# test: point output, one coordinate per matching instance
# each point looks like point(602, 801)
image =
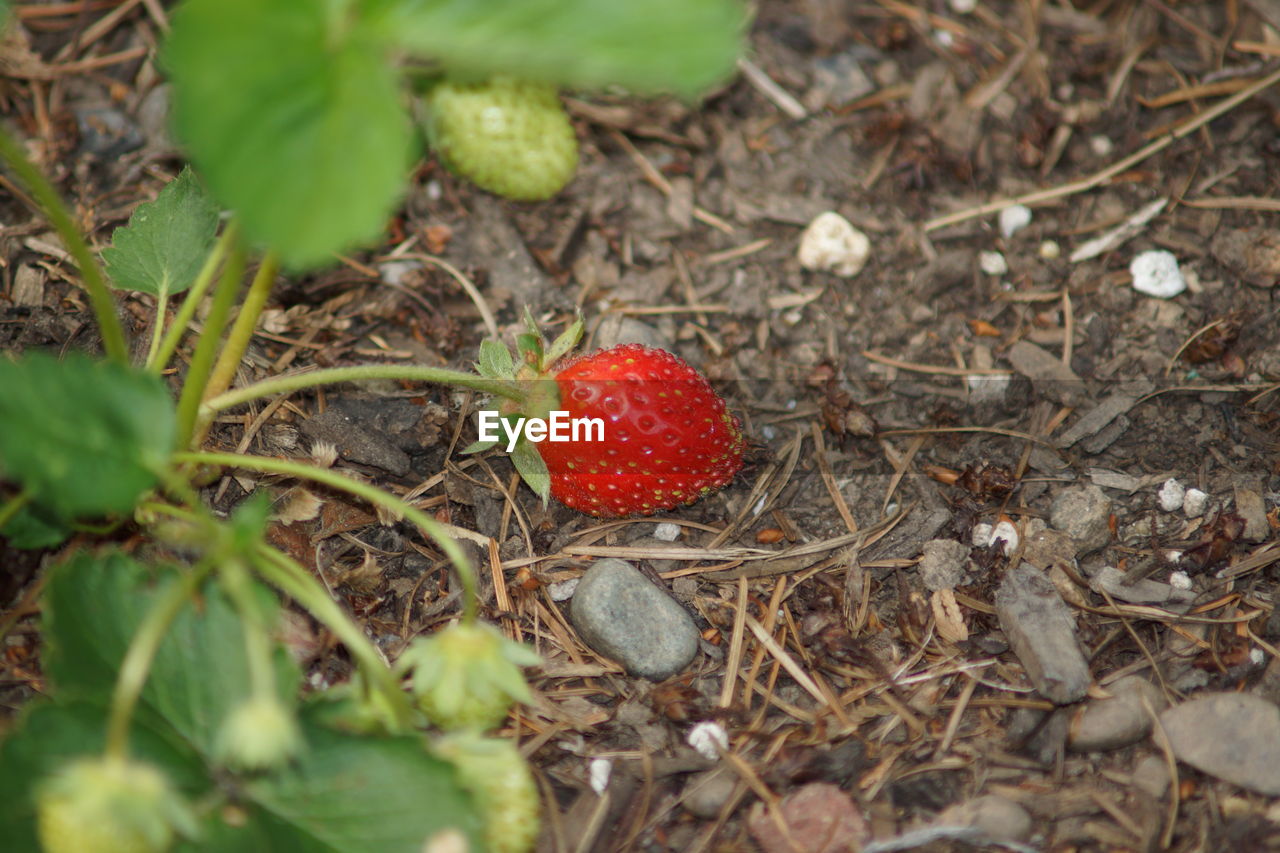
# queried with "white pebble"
point(599, 772)
point(1050, 250)
point(562, 590)
point(1006, 531)
point(667, 532)
point(1180, 580)
point(1013, 219)
point(708, 739)
point(1100, 145)
point(1156, 273)
point(981, 536)
point(1171, 495)
point(1194, 503)
point(993, 263)
point(963, 7)
point(831, 243)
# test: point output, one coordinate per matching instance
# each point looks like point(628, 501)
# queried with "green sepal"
point(532, 468)
point(567, 340)
point(479, 447)
point(495, 361)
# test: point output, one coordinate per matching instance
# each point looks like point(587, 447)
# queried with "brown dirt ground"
point(687, 219)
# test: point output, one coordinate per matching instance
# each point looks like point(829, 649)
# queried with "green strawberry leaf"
point(291, 111)
point(532, 468)
point(87, 438)
point(165, 243)
point(351, 794)
point(52, 733)
point(478, 447)
point(495, 361)
point(683, 46)
point(30, 529)
point(94, 604)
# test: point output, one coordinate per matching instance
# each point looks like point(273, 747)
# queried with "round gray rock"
point(1083, 512)
point(1119, 720)
point(621, 615)
point(942, 563)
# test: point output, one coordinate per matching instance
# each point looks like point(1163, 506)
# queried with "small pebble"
point(1194, 504)
point(1050, 250)
point(1156, 273)
point(1083, 513)
point(981, 534)
point(1171, 495)
point(819, 818)
point(598, 772)
point(666, 531)
point(1042, 631)
point(1013, 219)
point(942, 563)
point(963, 7)
point(1122, 719)
point(708, 739)
point(1007, 533)
point(1179, 580)
point(706, 793)
point(623, 616)
point(1101, 145)
point(996, 817)
point(563, 590)
point(831, 244)
point(1151, 774)
point(992, 263)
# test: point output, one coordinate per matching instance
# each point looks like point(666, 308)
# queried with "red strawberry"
point(668, 438)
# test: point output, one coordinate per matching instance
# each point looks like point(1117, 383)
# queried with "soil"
point(965, 376)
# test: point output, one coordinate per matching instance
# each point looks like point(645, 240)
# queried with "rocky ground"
point(999, 570)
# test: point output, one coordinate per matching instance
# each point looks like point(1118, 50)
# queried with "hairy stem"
point(93, 280)
point(372, 494)
point(363, 373)
point(224, 297)
point(142, 651)
point(191, 301)
point(224, 371)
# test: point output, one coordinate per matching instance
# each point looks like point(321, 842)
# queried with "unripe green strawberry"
point(499, 780)
point(258, 734)
point(511, 137)
point(467, 676)
point(109, 805)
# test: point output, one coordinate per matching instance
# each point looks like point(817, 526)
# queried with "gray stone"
point(1250, 507)
point(1233, 736)
point(1083, 513)
point(1151, 774)
point(617, 329)
point(1104, 724)
point(1041, 631)
point(656, 546)
point(1047, 548)
point(706, 793)
point(997, 818)
point(621, 615)
point(1048, 375)
point(942, 563)
point(356, 440)
point(1144, 591)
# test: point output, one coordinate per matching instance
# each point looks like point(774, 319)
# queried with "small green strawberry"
point(468, 675)
point(499, 779)
point(109, 805)
point(258, 734)
point(511, 137)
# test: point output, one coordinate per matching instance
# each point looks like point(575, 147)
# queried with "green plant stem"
point(93, 280)
point(142, 651)
point(372, 494)
point(224, 297)
point(294, 581)
point(14, 505)
point(328, 376)
point(257, 643)
point(224, 371)
point(157, 328)
point(191, 301)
